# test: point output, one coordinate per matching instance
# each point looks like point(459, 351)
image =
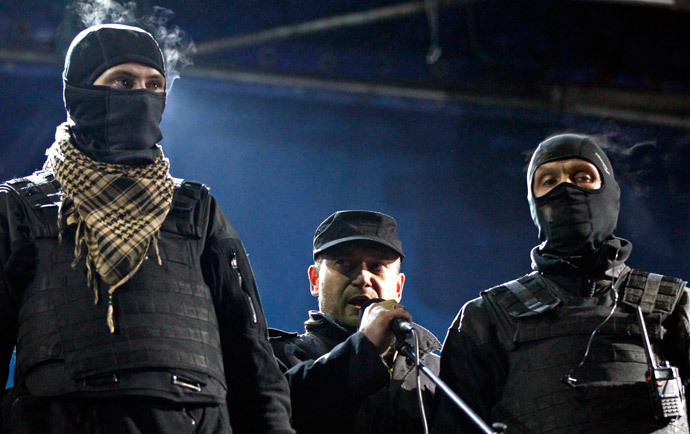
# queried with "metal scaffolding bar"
point(647, 107)
point(667, 3)
point(28, 56)
point(315, 26)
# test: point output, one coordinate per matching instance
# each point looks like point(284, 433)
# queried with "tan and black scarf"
point(118, 210)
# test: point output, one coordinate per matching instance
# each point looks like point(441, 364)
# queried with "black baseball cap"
point(353, 225)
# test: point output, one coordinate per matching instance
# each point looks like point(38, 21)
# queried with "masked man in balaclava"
point(562, 349)
point(127, 292)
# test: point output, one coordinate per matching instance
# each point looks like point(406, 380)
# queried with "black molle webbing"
point(40, 195)
point(652, 292)
point(571, 322)
point(39, 189)
point(527, 296)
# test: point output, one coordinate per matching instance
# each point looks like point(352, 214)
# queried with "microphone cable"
point(568, 378)
point(400, 344)
point(420, 398)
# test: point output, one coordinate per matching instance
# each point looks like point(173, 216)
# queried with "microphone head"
point(366, 304)
point(401, 327)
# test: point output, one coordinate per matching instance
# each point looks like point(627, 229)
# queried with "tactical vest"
point(546, 333)
point(166, 338)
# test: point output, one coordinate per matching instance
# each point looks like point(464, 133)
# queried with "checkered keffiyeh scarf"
point(118, 209)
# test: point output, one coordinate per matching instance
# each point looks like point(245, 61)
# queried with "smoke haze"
point(175, 43)
point(93, 12)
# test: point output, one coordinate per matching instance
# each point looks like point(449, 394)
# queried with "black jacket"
point(339, 383)
point(257, 395)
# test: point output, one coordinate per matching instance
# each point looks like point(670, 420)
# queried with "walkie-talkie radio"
point(665, 384)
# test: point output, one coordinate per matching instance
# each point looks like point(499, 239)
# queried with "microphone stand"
point(404, 348)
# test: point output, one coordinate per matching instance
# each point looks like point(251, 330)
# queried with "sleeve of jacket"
point(474, 365)
point(327, 392)
point(258, 395)
point(677, 339)
point(8, 313)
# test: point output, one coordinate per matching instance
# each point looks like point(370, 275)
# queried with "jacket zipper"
point(177, 381)
point(235, 267)
point(251, 306)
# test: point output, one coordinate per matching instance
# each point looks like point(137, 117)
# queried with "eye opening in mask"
point(132, 76)
point(573, 170)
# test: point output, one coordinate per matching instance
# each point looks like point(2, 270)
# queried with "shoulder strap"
point(191, 190)
point(188, 204)
point(524, 297)
point(40, 193)
point(652, 292)
point(39, 189)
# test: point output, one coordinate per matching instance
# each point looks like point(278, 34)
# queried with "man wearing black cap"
point(562, 349)
point(344, 374)
point(127, 292)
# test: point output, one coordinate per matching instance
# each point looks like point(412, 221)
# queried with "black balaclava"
point(574, 222)
point(109, 125)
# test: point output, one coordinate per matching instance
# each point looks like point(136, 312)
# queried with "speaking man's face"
point(348, 274)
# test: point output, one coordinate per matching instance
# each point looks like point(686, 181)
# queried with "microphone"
point(401, 328)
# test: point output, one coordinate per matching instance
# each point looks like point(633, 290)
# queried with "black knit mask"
point(109, 125)
point(574, 221)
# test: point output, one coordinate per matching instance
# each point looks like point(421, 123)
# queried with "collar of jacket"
point(586, 286)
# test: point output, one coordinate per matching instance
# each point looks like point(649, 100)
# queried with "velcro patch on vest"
point(652, 292)
point(525, 297)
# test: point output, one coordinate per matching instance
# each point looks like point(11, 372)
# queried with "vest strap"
point(652, 292)
point(40, 193)
point(525, 297)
